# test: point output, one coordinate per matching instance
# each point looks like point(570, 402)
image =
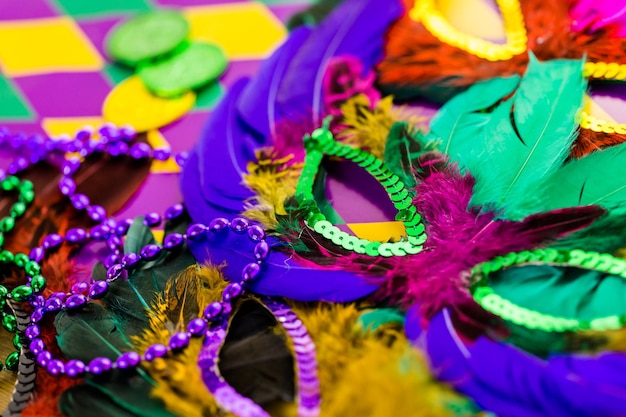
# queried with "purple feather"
point(257, 105)
point(509, 382)
point(355, 28)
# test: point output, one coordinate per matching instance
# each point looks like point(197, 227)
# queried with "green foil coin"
point(147, 37)
point(192, 67)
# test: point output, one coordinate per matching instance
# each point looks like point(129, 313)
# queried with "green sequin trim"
point(321, 142)
point(494, 303)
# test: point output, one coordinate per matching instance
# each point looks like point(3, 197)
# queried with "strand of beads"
point(9, 321)
point(111, 141)
point(215, 315)
point(98, 289)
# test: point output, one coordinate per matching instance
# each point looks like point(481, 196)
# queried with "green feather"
point(313, 15)
point(607, 234)
point(371, 320)
point(401, 149)
point(594, 179)
point(509, 143)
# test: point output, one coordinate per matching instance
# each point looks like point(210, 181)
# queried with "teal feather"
point(597, 178)
point(464, 117)
point(119, 394)
point(371, 320)
point(89, 332)
point(509, 142)
point(594, 179)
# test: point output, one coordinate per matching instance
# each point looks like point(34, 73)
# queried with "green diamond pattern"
point(12, 105)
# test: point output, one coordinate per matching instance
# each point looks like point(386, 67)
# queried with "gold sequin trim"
point(426, 12)
point(606, 71)
point(590, 122)
point(603, 70)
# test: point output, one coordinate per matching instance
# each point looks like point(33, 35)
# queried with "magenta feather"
point(289, 134)
point(460, 237)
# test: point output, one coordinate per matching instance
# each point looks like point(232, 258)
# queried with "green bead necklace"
point(37, 282)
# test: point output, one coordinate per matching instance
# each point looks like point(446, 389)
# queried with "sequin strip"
point(320, 143)
point(590, 122)
point(306, 362)
point(608, 71)
point(425, 11)
point(490, 301)
point(225, 395)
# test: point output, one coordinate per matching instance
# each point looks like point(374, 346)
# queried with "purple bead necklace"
point(82, 293)
point(215, 321)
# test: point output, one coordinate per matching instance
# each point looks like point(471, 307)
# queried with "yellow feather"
point(178, 381)
point(272, 181)
point(368, 128)
point(595, 341)
point(377, 374)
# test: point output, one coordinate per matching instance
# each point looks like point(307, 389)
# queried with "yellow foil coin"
point(130, 103)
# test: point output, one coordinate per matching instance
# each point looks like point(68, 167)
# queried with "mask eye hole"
point(321, 143)
point(427, 13)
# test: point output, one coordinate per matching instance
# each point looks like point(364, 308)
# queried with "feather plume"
point(607, 234)
point(594, 179)
point(253, 359)
point(459, 238)
point(48, 388)
point(526, 149)
point(401, 149)
point(178, 381)
point(598, 341)
point(345, 78)
point(590, 16)
point(358, 367)
point(288, 139)
point(127, 300)
point(589, 141)
point(272, 180)
point(367, 125)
